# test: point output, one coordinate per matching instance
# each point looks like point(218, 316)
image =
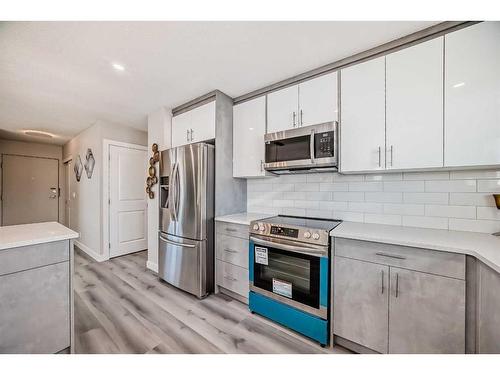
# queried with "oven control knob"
point(315, 236)
point(307, 234)
point(261, 227)
point(256, 227)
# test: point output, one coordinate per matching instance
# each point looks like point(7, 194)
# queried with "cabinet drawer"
point(233, 250)
point(233, 278)
point(27, 257)
point(424, 260)
point(235, 230)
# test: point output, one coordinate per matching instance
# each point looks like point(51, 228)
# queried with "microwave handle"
point(311, 146)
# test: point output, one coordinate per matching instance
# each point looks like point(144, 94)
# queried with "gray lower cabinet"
point(426, 313)
point(361, 298)
point(380, 303)
point(488, 310)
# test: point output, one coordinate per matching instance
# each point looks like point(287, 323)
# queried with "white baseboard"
point(152, 266)
point(87, 250)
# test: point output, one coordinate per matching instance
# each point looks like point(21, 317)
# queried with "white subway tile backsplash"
point(425, 176)
point(472, 199)
point(458, 186)
point(492, 186)
point(464, 212)
point(423, 198)
point(366, 207)
point(404, 186)
point(365, 186)
point(339, 186)
point(351, 196)
point(425, 222)
point(458, 200)
point(383, 219)
point(489, 213)
point(482, 226)
point(404, 209)
point(384, 197)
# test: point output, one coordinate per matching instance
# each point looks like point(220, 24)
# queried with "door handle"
point(301, 118)
point(311, 146)
point(390, 255)
point(379, 156)
point(191, 135)
point(391, 150)
point(172, 193)
point(294, 115)
point(177, 243)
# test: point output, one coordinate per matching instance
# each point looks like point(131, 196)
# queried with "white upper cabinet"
point(472, 96)
point(249, 127)
point(318, 101)
point(282, 109)
point(194, 126)
point(362, 126)
point(414, 106)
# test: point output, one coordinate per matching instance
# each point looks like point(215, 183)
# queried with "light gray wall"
point(86, 210)
point(456, 200)
point(37, 150)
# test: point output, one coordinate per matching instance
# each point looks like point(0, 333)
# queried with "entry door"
point(30, 190)
point(127, 206)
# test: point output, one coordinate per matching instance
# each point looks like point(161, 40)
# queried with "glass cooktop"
point(312, 223)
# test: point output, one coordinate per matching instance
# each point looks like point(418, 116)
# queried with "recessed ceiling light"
point(38, 133)
point(118, 67)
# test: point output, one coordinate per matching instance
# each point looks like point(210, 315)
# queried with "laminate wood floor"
point(122, 307)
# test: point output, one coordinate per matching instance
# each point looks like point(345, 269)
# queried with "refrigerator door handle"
point(177, 243)
point(177, 191)
point(173, 193)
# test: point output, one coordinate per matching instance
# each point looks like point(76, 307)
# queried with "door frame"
point(67, 190)
point(106, 156)
point(2, 181)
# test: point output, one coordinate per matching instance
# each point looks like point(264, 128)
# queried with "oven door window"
point(289, 274)
point(297, 148)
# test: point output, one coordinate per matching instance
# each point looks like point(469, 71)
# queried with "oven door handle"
point(300, 249)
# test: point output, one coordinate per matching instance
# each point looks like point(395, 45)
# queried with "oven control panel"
point(284, 231)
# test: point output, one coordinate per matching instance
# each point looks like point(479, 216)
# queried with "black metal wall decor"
point(89, 163)
point(152, 179)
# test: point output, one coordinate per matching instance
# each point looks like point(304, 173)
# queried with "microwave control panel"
point(324, 145)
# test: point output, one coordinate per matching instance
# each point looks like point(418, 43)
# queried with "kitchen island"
point(36, 291)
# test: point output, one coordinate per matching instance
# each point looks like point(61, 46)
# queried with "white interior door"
point(30, 190)
point(127, 206)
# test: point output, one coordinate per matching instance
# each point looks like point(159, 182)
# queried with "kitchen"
point(295, 217)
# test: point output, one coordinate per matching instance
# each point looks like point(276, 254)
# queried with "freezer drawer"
point(186, 264)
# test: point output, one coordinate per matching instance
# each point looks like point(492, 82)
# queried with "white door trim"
point(105, 188)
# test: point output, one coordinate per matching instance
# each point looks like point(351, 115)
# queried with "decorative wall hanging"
point(152, 179)
point(78, 168)
point(89, 163)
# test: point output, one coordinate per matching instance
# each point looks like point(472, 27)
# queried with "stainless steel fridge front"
point(186, 251)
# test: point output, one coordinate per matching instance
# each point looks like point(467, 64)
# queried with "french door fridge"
point(186, 236)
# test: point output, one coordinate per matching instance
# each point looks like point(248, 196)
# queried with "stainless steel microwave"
point(308, 149)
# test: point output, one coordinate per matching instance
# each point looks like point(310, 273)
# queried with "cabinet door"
point(414, 106)
point(488, 307)
point(282, 109)
point(472, 92)
point(362, 117)
point(318, 100)
point(181, 125)
point(203, 123)
point(360, 298)
point(249, 127)
point(426, 313)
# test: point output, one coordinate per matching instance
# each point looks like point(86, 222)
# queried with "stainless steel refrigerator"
point(186, 236)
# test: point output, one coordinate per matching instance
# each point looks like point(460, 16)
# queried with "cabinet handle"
point(390, 255)
point(262, 166)
point(231, 230)
point(397, 285)
point(187, 135)
point(191, 134)
point(230, 278)
point(294, 115)
point(230, 251)
point(382, 281)
point(379, 157)
point(301, 118)
point(391, 156)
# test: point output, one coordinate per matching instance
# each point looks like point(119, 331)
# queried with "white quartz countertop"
point(243, 218)
point(32, 234)
point(484, 247)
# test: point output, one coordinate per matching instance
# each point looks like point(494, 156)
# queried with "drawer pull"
point(231, 230)
point(230, 278)
point(230, 251)
point(390, 255)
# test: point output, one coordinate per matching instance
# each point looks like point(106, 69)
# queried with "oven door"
point(296, 275)
point(302, 148)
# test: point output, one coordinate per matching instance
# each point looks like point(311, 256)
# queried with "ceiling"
point(58, 76)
